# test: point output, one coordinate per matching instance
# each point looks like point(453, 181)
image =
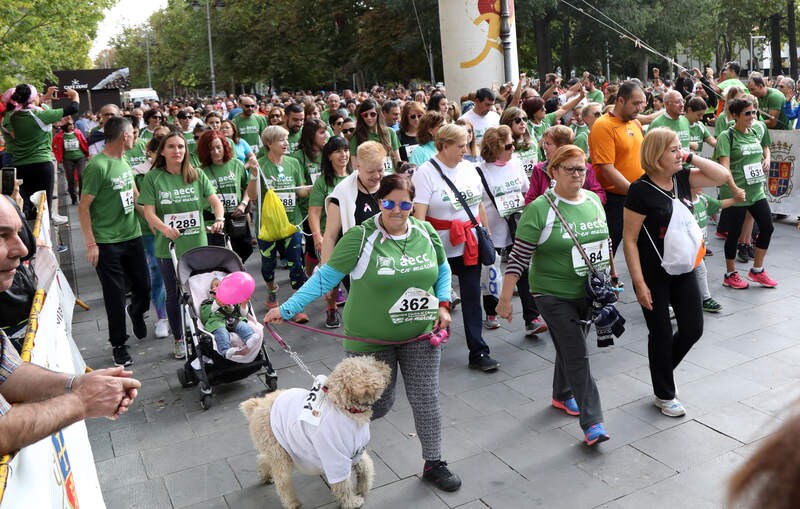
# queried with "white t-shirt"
point(332, 448)
point(508, 184)
point(481, 123)
point(433, 191)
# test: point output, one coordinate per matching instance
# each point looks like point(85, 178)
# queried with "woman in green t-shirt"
point(400, 291)
point(557, 277)
point(231, 181)
point(335, 167)
point(371, 127)
point(173, 195)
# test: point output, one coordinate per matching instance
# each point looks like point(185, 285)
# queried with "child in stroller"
point(221, 319)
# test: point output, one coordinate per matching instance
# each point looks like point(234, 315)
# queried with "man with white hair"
point(673, 117)
point(790, 107)
point(334, 103)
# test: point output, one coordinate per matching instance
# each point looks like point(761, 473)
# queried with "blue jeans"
point(223, 337)
point(156, 281)
point(294, 253)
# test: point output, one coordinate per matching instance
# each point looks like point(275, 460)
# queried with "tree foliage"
point(40, 36)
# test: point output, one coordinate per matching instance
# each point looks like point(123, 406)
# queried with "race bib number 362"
point(413, 306)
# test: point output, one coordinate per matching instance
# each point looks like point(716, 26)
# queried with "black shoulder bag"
point(601, 291)
point(486, 251)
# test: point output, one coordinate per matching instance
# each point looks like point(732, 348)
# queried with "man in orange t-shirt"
point(615, 142)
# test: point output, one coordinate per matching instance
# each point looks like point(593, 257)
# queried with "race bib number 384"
point(597, 252)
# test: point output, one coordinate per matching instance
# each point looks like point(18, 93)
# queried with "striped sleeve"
point(9, 361)
point(520, 257)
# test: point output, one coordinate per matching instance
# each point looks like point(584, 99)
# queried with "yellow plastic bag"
point(275, 223)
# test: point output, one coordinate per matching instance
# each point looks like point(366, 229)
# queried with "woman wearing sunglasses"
point(557, 278)
point(400, 290)
point(371, 127)
point(336, 120)
point(152, 120)
point(409, 122)
point(525, 148)
point(275, 116)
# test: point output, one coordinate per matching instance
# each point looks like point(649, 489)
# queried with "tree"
point(40, 36)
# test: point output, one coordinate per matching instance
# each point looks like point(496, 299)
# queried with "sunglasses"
point(159, 117)
point(369, 114)
point(248, 106)
point(575, 170)
point(415, 117)
point(405, 206)
point(508, 146)
point(750, 113)
point(349, 131)
point(520, 120)
point(338, 122)
point(275, 116)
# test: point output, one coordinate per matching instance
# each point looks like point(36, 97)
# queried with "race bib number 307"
point(415, 305)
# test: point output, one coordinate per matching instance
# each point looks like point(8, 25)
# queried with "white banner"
point(57, 471)
point(472, 52)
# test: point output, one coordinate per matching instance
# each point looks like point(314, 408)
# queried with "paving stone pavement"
point(511, 449)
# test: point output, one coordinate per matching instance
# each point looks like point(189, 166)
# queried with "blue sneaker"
point(570, 406)
point(596, 434)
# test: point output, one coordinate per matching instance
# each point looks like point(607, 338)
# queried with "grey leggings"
point(419, 363)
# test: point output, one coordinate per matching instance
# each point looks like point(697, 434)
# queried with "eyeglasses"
point(750, 113)
point(508, 146)
point(405, 206)
point(415, 116)
point(370, 114)
point(349, 131)
point(520, 120)
point(575, 170)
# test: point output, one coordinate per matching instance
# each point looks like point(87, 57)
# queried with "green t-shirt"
point(138, 154)
point(311, 167)
point(680, 126)
point(721, 124)
point(191, 147)
point(72, 147)
point(704, 207)
point(282, 179)
point(29, 135)
point(595, 96)
point(145, 135)
point(250, 130)
point(580, 129)
point(179, 206)
point(582, 142)
point(537, 130)
point(392, 294)
point(294, 140)
point(698, 132)
point(394, 142)
point(319, 192)
point(557, 267)
point(138, 179)
point(745, 161)
point(774, 100)
point(230, 181)
point(110, 181)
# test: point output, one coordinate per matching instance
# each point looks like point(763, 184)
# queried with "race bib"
point(596, 251)
point(528, 159)
point(470, 196)
point(315, 402)
point(415, 305)
point(229, 201)
point(71, 144)
point(288, 198)
point(388, 165)
point(188, 223)
point(509, 203)
point(753, 173)
point(127, 200)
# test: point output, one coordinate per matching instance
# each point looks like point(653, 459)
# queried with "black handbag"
point(237, 227)
point(486, 249)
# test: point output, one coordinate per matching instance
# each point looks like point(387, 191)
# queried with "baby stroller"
point(205, 365)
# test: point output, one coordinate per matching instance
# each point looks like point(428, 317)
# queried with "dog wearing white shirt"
point(324, 430)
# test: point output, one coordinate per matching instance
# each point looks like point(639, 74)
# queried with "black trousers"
point(469, 284)
point(666, 349)
point(118, 265)
point(615, 205)
point(35, 177)
point(761, 216)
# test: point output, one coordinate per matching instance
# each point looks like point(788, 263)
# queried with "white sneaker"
point(162, 328)
point(180, 349)
point(58, 219)
point(670, 407)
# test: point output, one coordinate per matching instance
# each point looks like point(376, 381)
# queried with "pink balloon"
point(235, 288)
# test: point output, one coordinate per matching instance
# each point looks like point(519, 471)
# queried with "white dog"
point(324, 430)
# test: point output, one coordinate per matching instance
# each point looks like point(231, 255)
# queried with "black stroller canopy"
point(207, 259)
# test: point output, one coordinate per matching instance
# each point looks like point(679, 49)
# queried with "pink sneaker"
point(736, 282)
point(762, 278)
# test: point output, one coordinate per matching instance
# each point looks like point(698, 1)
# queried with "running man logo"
point(490, 13)
point(63, 473)
point(781, 171)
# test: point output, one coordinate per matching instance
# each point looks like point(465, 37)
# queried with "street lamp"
point(147, 47)
point(219, 4)
point(752, 60)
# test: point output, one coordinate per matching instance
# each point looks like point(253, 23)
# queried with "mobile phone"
point(9, 180)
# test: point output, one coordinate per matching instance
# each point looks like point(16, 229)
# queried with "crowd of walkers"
point(387, 188)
